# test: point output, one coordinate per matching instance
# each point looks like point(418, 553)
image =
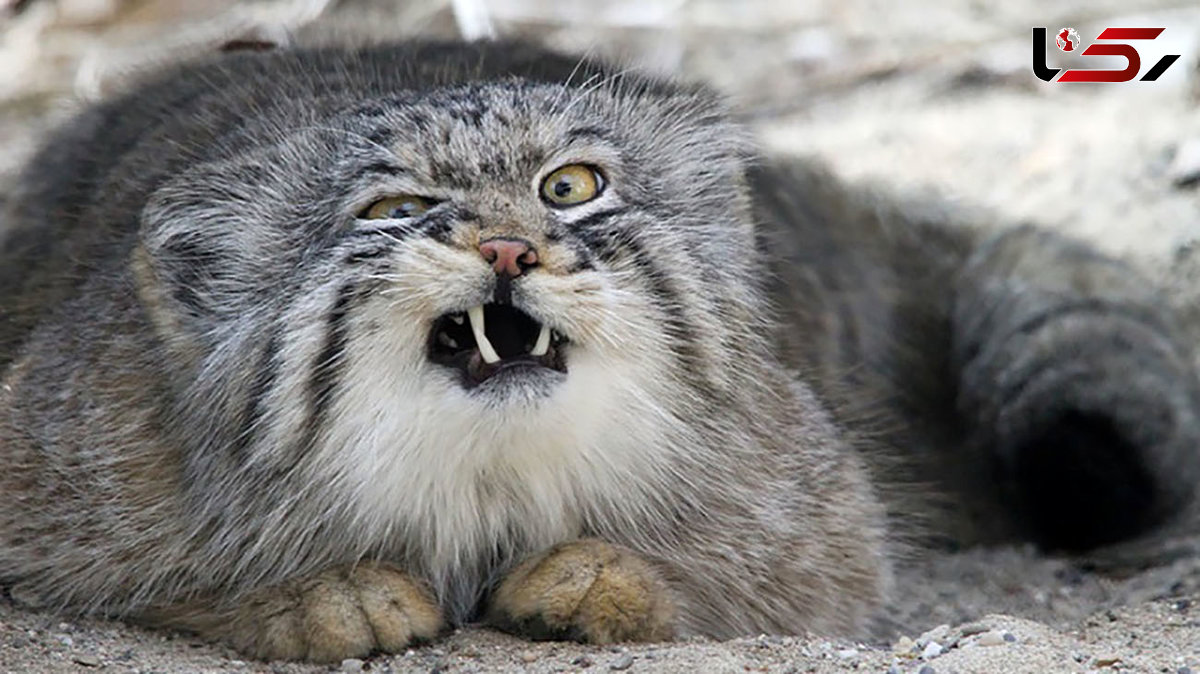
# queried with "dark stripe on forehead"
point(450, 174)
point(371, 109)
point(588, 132)
point(468, 112)
point(381, 136)
point(381, 168)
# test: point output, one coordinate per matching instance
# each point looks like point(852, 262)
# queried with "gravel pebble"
point(992, 638)
point(931, 650)
point(625, 661)
point(529, 656)
point(87, 660)
point(904, 646)
point(971, 629)
point(938, 633)
point(352, 665)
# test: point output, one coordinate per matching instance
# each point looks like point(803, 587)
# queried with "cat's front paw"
point(585, 590)
point(340, 613)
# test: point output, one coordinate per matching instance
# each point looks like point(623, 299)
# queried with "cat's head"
point(492, 261)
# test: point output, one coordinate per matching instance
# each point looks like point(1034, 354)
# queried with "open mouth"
point(492, 338)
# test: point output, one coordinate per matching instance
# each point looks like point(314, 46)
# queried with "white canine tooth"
point(457, 318)
point(543, 342)
point(486, 350)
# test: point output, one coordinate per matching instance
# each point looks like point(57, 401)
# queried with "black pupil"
point(563, 187)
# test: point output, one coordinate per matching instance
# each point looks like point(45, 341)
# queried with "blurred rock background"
point(927, 96)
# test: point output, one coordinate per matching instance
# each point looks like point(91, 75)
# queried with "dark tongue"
point(502, 326)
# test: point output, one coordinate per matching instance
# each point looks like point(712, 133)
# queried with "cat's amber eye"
point(571, 185)
point(401, 206)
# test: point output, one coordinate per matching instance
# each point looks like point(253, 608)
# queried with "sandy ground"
point(926, 98)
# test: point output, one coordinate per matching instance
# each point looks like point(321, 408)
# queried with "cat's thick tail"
point(1077, 385)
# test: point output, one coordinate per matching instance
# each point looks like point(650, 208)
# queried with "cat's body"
point(233, 394)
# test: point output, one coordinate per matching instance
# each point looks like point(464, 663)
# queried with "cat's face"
point(349, 255)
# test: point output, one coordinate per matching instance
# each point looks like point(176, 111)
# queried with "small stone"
point(931, 650)
point(1184, 670)
point(971, 629)
point(938, 633)
point(894, 670)
point(622, 663)
point(87, 660)
point(992, 638)
point(1010, 637)
point(529, 656)
point(582, 661)
point(352, 665)
point(1106, 661)
point(927, 669)
point(847, 653)
point(904, 646)
point(65, 640)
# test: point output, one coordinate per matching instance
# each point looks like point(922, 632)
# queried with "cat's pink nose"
point(509, 256)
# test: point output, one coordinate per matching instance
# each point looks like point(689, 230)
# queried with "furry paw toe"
point(340, 613)
point(585, 590)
